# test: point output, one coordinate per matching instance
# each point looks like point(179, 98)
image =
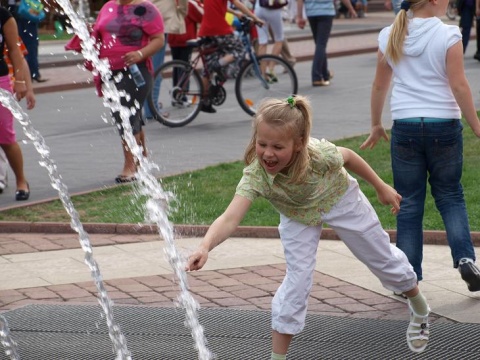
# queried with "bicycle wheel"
point(278, 80)
point(178, 101)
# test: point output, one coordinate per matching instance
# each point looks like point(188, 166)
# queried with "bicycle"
point(180, 97)
point(452, 9)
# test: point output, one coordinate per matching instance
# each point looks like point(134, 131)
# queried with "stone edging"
point(431, 237)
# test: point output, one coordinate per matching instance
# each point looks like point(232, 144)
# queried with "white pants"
point(356, 223)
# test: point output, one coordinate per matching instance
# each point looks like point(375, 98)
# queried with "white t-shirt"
point(420, 82)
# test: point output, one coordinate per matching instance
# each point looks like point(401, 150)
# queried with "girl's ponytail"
point(394, 50)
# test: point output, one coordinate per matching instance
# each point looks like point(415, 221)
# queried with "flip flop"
point(121, 179)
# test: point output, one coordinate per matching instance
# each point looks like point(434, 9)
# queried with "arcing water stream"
point(156, 205)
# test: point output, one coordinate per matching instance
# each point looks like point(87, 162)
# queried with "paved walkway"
point(45, 265)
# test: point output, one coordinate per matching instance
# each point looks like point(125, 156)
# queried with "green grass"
point(203, 195)
point(53, 36)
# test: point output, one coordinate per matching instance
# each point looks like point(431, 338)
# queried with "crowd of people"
point(307, 180)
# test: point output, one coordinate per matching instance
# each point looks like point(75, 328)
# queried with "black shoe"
point(21, 195)
point(477, 56)
point(208, 108)
point(39, 79)
point(470, 274)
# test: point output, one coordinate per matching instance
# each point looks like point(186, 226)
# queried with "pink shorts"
point(7, 131)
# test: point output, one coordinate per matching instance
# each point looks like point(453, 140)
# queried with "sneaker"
point(330, 75)
point(3, 185)
point(271, 77)
point(417, 331)
point(182, 104)
point(208, 108)
point(477, 56)
point(470, 274)
point(320, 83)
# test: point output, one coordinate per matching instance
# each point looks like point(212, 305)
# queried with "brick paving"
point(249, 288)
point(240, 288)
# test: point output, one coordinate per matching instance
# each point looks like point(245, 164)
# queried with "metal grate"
point(79, 332)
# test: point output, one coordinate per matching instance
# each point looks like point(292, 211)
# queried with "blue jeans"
point(467, 13)
point(28, 31)
point(321, 27)
point(157, 59)
point(433, 151)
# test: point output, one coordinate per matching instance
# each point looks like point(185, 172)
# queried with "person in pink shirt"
point(128, 32)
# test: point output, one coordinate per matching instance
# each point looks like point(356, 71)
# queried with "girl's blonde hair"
point(396, 39)
point(294, 116)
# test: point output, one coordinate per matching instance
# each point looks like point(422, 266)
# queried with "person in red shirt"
point(178, 42)
point(215, 27)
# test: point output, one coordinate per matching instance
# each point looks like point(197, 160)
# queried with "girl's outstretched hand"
point(376, 134)
point(197, 259)
point(387, 195)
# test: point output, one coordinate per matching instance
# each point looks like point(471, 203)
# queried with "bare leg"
point(130, 163)
point(262, 49)
point(412, 293)
point(286, 54)
point(277, 48)
point(280, 342)
point(141, 141)
point(14, 156)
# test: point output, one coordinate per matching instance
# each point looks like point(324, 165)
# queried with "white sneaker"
point(3, 185)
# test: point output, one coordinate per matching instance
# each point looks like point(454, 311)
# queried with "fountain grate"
point(79, 332)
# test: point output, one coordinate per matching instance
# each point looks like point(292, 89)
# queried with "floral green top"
point(325, 183)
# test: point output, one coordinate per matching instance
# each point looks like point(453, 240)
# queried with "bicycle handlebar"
point(247, 20)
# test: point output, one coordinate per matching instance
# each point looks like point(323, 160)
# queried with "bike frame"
point(245, 36)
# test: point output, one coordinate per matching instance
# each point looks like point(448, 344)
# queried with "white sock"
point(419, 304)
point(278, 356)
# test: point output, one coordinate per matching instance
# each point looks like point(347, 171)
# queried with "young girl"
point(425, 56)
point(306, 180)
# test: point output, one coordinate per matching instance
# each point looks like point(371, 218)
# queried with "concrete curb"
point(431, 237)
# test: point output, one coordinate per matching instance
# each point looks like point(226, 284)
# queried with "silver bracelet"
point(140, 53)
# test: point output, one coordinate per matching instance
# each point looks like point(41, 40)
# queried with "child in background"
point(306, 180)
point(220, 34)
point(425, 57)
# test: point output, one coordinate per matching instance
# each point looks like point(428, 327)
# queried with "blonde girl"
point(306, 180)
point(430, 92)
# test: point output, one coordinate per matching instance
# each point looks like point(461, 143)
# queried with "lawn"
point(199, 199)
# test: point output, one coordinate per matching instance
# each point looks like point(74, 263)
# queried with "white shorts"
point(273, 20)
